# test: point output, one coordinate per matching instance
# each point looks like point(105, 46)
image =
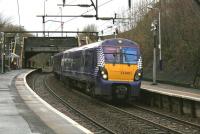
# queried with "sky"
point(29, 9)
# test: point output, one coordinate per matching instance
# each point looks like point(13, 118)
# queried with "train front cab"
point(120, 77)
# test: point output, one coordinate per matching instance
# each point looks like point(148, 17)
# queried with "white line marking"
point(55, 110)
point(172, 94)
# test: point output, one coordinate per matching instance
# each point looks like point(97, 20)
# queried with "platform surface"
point(170, 90)
point(23, 112)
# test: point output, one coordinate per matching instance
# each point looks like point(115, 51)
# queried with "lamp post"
point(159, 37)
point(43, 18)
point(61, 22)
point(10, 53)
point(2, 43)
point(154, 29)
point(159, 45)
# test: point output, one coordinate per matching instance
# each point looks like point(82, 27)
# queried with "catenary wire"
point(18, 13)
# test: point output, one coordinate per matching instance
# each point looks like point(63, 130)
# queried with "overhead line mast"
point(84, 16)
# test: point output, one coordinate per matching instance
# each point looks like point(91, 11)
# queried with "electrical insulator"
point(63, 2)
point(116, 30)
point(129, 4)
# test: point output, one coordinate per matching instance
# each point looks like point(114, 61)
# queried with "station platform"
point(24, 112)
point(170, 90)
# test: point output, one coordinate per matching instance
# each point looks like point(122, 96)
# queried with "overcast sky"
point(29, 9)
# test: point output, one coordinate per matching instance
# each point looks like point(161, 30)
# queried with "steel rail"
point(68, 105)
point(123, 111)
point(156, 125)
point(167, 116)
point(146, 120)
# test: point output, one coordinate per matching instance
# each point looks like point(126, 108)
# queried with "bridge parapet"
point(36, 45)
point(49, 44)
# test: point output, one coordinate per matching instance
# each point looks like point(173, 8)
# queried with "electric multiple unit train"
point(111, 68)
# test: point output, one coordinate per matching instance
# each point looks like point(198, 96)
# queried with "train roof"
point(110, 42)
point(117, 41)
point(57, 54)
point(92, 45)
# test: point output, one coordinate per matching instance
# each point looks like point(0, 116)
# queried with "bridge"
point(26, 45)
point(36, 45)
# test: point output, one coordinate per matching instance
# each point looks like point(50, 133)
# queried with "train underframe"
point(109, 90)
point(117, 89)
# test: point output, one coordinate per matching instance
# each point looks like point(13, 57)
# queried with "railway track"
point(172, 124)
point(81, 118)
point(194, 127)
point(100, 127)
point(112, 119)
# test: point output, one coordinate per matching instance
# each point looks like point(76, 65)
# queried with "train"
point(110, 69)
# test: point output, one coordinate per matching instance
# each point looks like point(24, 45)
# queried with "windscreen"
point(121, 55)
point(130, 55)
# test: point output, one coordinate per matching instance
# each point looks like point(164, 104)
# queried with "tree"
point(180, 29)
point(92, 37)
point(4, 22)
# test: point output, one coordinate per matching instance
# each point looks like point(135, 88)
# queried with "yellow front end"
point(121, 72)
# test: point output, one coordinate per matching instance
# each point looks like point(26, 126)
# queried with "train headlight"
point(105, 76)
point(138, 75)
point(104, 73)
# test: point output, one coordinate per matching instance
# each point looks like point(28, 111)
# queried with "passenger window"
point(89, 61)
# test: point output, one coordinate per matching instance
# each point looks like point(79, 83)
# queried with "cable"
point(136, 11)
point(103, 24)
point(56, 29)
point(52, 22)
point(85, 12)
point(50, 25)
point(133, 11)
point(72, 2)
point(141, 8)
point(105, 3)
point(18, 14)
point(89, 11)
